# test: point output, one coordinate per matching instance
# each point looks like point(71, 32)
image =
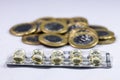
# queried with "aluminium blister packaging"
point(85, 64)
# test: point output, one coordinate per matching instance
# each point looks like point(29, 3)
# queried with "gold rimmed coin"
point(31, 39)
point(79, 19)
point(53, 27)
point(53, 40)
point(38, 26)
point(105, 34)
point(44, 19)
point(98, 27)
point(65, 20)
point(83, 29)
point(72, 26)
point(23, 29)
point(83, 38)
point(107, 41)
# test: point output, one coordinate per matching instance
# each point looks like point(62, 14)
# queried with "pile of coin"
point(57, 32)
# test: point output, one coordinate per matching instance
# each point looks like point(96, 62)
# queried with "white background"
point(103, 12)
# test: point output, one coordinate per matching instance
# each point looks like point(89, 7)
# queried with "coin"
point(44, 19)
point(83, 30)
point(106, 41)
point(31, 39)
point(23, 29)
point(83, 38)
point(103, 34)
point(40, 21)
point(53, 40)
point(53, 27)
point(77, 25)
point(65, 20)
point(98, 27)
point(79, 19)
point(38, 26)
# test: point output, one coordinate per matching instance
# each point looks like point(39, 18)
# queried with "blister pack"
point(62, 59)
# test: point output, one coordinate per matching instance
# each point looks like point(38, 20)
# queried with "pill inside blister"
point(38, 56)
point(19, 56)
point(95, 58)
point(57, 57)
point(76, 57)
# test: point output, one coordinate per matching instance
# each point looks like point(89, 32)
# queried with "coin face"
point(106, 41)
point(79, 19)
point(53, 27)
point(53, 40)
point(83, 38)
point(23, 29)
point(98, 27)
point(103, 34)
point(31, 39)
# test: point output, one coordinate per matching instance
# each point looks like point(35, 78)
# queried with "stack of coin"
point(105, 36)
point(57, 32)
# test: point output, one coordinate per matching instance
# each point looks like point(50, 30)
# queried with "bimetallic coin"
point(79, 19)
point(95, 58)
point(31, 39)
point(83, 38)
point(57, 57)
point(60, 20)
point(44, 19)
point(76, 57)
point(77, 25)
point(65, 20)
point(39, 21)
point(23, 29)
point(38, 27)
point(53, 40)
point(53, 27)
point(106, 41)
point(38, 56)
point(103, 34)
point(83, 30)
point(66, 35)
point(98, 27)
point(19, 56)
